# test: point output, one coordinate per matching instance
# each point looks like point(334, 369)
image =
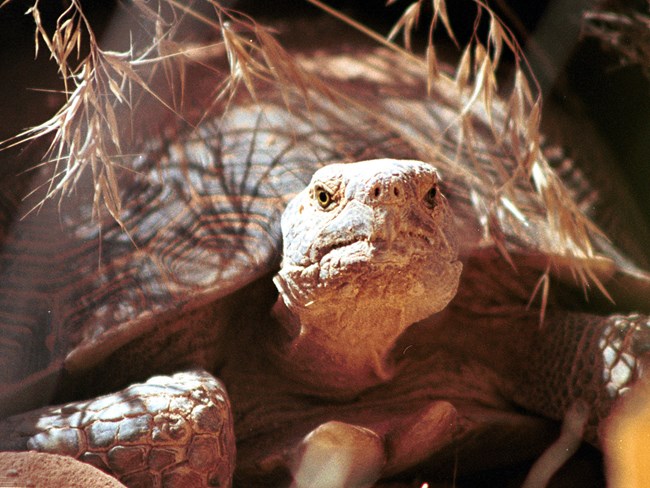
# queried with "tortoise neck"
point(327, 351)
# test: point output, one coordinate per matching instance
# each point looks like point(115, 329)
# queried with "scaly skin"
point(173, 431)
point(584, 357)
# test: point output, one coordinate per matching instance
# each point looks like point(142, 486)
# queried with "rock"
point(35, 469)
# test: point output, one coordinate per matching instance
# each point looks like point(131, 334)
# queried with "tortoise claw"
point(172, 431)
point(337, 454)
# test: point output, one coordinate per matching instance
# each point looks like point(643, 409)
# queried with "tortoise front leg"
point(588, 363)
point(172, 431)
point(582, 357)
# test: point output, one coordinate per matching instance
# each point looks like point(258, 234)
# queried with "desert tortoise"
point(329, 380)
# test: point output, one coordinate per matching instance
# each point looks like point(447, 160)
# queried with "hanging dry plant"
point(105, 89)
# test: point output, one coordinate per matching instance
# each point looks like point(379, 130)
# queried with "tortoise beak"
point(355, 223)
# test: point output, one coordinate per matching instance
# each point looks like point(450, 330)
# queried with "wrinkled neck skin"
point(336, 349)
point(368, 249)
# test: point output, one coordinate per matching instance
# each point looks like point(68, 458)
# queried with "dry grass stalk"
point(476, 82)
point(107, 86)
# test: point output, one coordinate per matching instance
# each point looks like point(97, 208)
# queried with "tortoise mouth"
point(400, 251)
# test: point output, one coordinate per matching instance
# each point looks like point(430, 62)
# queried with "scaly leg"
point(588, 360)
point(172, 431)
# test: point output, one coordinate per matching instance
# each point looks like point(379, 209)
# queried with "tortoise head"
point(369, 249)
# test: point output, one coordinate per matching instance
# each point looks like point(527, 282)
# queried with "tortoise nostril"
point(387, 192)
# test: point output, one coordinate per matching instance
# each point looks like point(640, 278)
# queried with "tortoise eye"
point(323, 197)
point(430, 197)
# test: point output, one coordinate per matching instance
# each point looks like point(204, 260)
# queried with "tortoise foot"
point(337, 454)
point(171, 431)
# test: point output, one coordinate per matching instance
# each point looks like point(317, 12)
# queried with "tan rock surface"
point(35, 469)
